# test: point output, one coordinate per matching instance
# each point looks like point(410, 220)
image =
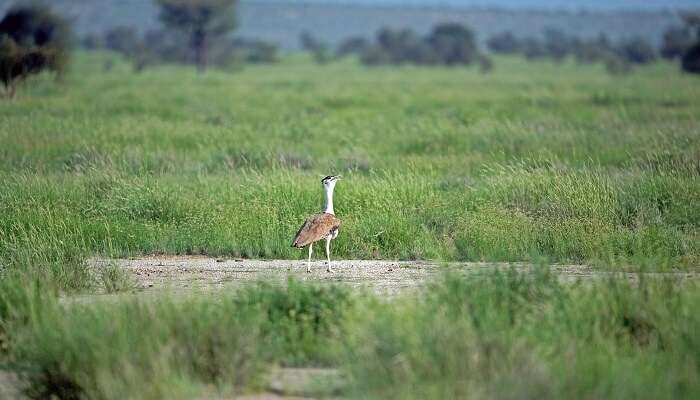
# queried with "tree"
point(32, 39)
point(637, 51)
point(587, 51)
point(691, 59)
point(557, 43)
point(122, 39)
point(201, 20)
point(534, 49)
point(453, 43)
point(317, 48)
point(676, 41)
point(355, 44)
point(504, 43)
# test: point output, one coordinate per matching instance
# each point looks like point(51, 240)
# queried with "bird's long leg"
point(308, 263)
point(328, 253)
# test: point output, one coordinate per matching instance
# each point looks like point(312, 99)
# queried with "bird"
point(320, 226)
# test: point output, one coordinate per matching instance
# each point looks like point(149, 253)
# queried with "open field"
point(512, 174)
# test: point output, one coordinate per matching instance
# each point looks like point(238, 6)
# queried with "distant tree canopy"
point(201, 21)
point(167, 46)
point(447, 44)
point(685, 42)
point(32, 39)
point(196, 31)
point(557, 46)
point(352, 45)
point(122, 39)
point(637, 51)
point(676, 41)
point(504, 43)
point(318, 49)
point(691, 59)
point(453, 44)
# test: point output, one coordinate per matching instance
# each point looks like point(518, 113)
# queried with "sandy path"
point(194, 272)
point(384, 277)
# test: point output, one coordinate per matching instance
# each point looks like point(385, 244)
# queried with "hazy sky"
point(567, 4)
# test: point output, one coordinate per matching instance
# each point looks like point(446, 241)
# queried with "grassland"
point(534, 162)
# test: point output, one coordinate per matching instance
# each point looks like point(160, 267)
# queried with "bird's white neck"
point(329, 199)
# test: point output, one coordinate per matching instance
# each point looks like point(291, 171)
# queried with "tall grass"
point(168, 347)
point(531, 162)
point(504, 334)
point(446, 164)
point(513, 335)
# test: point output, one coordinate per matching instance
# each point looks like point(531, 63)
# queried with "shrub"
point(637, 51)
point(352, 45)
point(32, 40)
point(447, 44)
point(676, 42)
point(453, 44)
point(202, 21)
point(504, 43)
point(691, 60)
point(557, 44)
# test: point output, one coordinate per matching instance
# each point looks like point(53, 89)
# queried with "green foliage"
point(637, 51)
point(514, 335)
point(201, 20)
point(303, 322)
point(446, 44)
point(691, 59)
point(500, 334)
point(32, 39)
point(141, 348)
point(676, 42)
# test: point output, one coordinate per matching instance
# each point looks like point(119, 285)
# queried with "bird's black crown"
point(326, 179)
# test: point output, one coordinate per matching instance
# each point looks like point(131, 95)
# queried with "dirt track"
point(386, 277)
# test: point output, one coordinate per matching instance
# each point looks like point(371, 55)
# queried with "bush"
point(512, 335)
point(318, 49)
point(534, 49)
point(447, 44)
point(122, 39)
point(637, 51)
point(352, 45)
point(32, 39)
point(617, 66)
point(587, 51)
point(676, 42)
point(485, 64)
point(504, 43)
point(375, 55)
point(453, 44)
point(557, 44)
point(691, 60)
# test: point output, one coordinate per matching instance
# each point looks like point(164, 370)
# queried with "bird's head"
point(329, 181)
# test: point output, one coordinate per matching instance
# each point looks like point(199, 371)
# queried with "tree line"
point(198, 32)
point(446, 44)
point(455, 44)
point(678, 43)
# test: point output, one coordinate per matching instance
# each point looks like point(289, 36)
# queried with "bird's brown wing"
point(315, 228)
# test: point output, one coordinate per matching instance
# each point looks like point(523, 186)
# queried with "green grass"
point(501, 335)
point(513, 335)
point(536, 161)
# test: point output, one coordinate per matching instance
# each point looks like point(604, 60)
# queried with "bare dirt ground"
point(383, 277)
point(9, 386)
